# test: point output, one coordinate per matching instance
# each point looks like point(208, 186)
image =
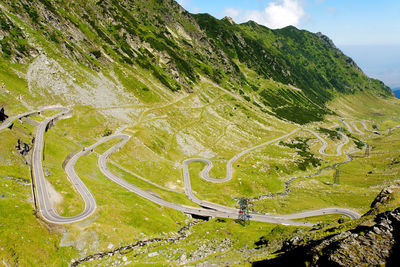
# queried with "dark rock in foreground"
point(371, 243)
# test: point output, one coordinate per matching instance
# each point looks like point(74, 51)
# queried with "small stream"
point(182, 234)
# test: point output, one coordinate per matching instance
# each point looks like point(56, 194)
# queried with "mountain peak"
point(229, 19)
point(326, 39)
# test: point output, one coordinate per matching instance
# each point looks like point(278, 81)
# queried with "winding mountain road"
point(358, 131)
point(229, 165)
point(229, 169)
point(219, 210)
point(46, 207)
point(211, 209)
point(6, 123)
point(368, 130)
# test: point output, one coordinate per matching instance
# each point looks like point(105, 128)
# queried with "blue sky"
point(366, 30)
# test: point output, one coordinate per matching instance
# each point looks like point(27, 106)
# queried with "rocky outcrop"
point(23, 148)
point(373, 242)
point(330, 44)
point(381, 199)
point(230, 20)
point(374, 245)
point(326, 39)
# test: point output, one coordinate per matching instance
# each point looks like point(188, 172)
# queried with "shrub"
point(96, 53)
point(107, 132)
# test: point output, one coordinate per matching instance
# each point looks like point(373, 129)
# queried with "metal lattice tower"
point(341, 125)
point(336, 177)
point(367, 151)
point(244, 211)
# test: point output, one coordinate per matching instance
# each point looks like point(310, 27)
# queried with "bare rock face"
point(230, 20)
point(382, 198)
point(23, 148)
point(375, 245)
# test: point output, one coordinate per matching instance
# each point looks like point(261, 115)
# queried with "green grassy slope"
point(294, 57)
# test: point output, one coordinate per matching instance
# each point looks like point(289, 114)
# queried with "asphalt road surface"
point(46, 208)
point(352, 125)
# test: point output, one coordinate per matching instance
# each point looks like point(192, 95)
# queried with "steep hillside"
point(178, 48)
point(302, 59)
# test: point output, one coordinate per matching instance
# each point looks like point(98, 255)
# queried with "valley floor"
point(345, 185)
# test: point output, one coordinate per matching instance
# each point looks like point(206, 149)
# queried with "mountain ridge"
point(289, 56)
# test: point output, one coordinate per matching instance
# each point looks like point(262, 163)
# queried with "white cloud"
point(232, 12)
point(277, 14)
